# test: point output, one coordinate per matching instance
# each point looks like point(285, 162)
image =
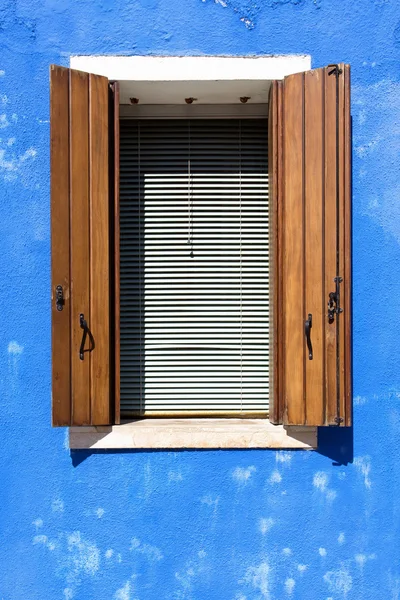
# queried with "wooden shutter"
point(310, 166)
point(80, 230)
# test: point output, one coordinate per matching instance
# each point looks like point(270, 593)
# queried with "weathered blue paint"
point(229, 525)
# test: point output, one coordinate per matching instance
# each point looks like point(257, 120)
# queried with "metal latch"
point(334, 301)
point(59, 298)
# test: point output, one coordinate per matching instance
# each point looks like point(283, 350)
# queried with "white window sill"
point(193, 433)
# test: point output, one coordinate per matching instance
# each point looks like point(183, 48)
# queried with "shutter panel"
point(79, 107)
point(313, 246)
point(194, 267)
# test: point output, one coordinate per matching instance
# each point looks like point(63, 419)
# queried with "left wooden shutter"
point(80, 233)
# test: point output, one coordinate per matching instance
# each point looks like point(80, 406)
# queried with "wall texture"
point(229, 525)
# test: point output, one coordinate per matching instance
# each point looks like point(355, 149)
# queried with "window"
point(194, 267)
point(175, 278)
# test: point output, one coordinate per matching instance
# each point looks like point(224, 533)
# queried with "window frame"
point(200, 426)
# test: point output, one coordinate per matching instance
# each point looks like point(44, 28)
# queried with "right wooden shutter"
point(313, 247)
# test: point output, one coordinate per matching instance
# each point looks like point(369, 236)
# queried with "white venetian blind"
point(194, 266)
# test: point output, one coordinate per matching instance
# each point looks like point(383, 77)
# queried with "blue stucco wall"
point(228, 525)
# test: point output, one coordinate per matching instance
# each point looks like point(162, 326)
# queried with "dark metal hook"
point(307, 331)
point(86, 332)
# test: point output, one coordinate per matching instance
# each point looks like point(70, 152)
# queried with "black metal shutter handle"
point(85, 328)
point(307, 331)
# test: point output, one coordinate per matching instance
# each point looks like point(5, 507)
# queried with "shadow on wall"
point(336, 443)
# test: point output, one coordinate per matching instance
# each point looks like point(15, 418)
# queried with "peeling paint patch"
point(260, 578)
point(100, 512)
point(342, 538)
point(361, 559)
point(38, 523)
point(44, 540)
point(57, 505)
point(287, 551)
point(289, 586)
point(152, 553)
point(283, 457)
point(13, 164)
point(188, 574)
point(68, 594)
point(360, 400)
point(4, 121)
point(124, 593)
point(302, 568)
point(247, 10)
point(84, 555)
point(363, 465)
point(15, 348)
point(175, 476)
point(339, 581)
point(109, 553)
point(242, 475)
point(66, 439)
point(320, 482)
point(266, 524)
point(322, 551)
point(275, 477)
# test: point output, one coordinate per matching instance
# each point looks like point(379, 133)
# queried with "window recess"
point(289, 291)
point(194, 267)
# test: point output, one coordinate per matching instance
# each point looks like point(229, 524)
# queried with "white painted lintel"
point(193, 433)
point(189, 68)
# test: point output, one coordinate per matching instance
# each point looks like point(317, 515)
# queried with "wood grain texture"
point(314, 243)
point(347, 299)
point(293, 260)
point(330, 241)
point(341, 224)
point(116, 233)
point(60, 255)
point(80, 192)
point(317, 246)
point(99, 251)
point(275, 195)
point(80, 245)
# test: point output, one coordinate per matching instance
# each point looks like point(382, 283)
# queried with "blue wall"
point(228, 525)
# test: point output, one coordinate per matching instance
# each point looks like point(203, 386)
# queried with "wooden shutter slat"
point(80, 203)
point(330, 240)
point(61, 348)
point(275, 167)
point(314, 242)
point(347, 248)
point(293, 265)
point(79, 240)
point(314, 248)
point(99, 250)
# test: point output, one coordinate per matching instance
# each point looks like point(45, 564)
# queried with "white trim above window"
point(189, 68)
point(169, 80)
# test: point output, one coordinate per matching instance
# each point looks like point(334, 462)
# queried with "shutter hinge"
point(334, 301)
point(336, 70)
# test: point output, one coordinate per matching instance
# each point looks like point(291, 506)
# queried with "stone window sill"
point(193, 433)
